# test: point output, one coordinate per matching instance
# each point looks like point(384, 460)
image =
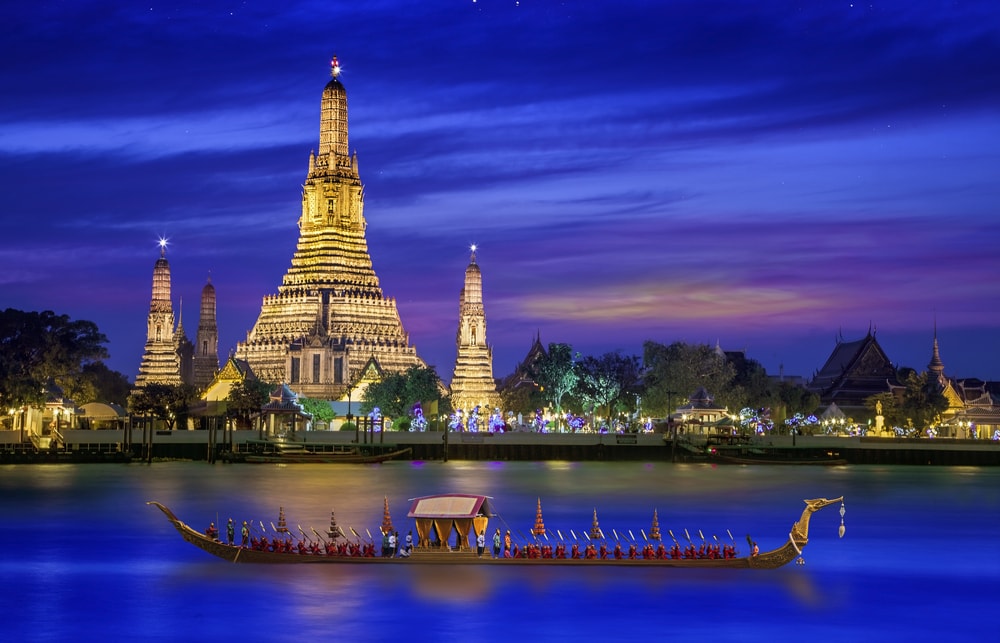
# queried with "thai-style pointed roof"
point(539, 528)
point(654, 530)
point(595, 529)
point(334, 531)
point(854, 371)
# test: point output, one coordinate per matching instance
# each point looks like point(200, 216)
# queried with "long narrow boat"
point(319, 457)
point(798, 537)
point(829, 461)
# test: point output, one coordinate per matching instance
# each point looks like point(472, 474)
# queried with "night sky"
point(767, 175)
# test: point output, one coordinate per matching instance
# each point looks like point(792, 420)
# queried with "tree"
point(555, 372)
point(168, 403)
point(245, 399)
point(797, 399)
point(750, 387)
point(611, 380)
point(39, 348)
point(523, 398)
point(675, 372)
point(320, 410)
point(396, 393)
point(98, 383)
point(923, 401)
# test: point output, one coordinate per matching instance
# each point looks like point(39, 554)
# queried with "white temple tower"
point(472, 383)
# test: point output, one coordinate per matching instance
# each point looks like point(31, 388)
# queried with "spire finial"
point(162, 241)
point(472, 249)
point(335, 67)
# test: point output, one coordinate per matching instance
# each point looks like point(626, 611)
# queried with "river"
point(83, 556)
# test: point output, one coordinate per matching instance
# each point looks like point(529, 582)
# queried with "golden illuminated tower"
point(472, 383)
point(161, 359)
point(329, 318)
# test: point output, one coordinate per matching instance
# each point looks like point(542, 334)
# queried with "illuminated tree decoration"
point(419, 422)
point(756, 420)
point(497, 424)
point(575, 422)
point(473, 422)
point(798, 421)
point(538, 423)
point(456, 420)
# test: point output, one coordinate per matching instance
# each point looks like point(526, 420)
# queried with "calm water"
point(84, 555)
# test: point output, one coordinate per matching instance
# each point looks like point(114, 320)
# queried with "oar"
point(671, 532)
point(702, 536)
point(573, 533)
point(731, 537)
point(643, 532)
point(632, 537)
point(313, 529)
point(369, 534)
point(688, 536)
point(301, 531)
point(560, 535)
point(341, 530)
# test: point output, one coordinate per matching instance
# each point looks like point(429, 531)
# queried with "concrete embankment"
point(212, 446)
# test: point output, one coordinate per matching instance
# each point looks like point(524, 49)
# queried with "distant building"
point(472, 383)
point(329, 318)
point(206, 348)
point(973, 411)
point(702, 414)
point(854, 372)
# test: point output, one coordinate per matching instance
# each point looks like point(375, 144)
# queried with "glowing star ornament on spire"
point(335, 67)
point(162, 242)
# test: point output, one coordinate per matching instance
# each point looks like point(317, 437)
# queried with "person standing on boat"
point(230, 531)
point(244, 534)
point(506, 544)
point(392, 544)
point(481, 543)
point(496, 544)
point(409, 543)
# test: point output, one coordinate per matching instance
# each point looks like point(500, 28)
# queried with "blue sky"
point(763, 175)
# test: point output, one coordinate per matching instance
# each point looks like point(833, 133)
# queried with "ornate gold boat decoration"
point(463, 514)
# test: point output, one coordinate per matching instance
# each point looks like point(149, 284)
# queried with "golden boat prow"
point(798, 538)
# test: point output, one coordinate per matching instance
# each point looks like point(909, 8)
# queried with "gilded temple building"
point(167, 356)
point(973, 411)
point(472, 383)
point(329, 318)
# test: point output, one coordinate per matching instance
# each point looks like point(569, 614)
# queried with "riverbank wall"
point(227, 446)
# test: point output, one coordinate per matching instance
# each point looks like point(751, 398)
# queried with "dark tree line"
point(42, 350)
